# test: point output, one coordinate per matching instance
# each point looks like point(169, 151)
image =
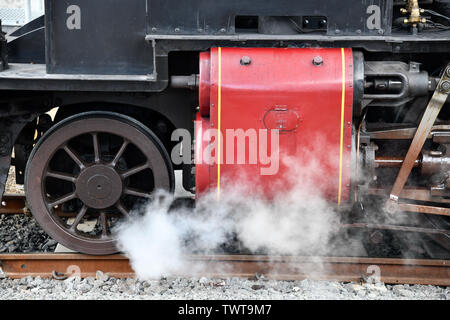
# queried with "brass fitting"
point(414, 13)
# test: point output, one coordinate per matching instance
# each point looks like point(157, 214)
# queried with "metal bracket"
point(429, 118)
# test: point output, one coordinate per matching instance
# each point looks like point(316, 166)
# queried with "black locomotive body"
point(125, 74)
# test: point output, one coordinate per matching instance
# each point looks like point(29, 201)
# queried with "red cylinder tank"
point(270, 117)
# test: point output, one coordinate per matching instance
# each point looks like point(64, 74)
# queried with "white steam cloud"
point(297, 222)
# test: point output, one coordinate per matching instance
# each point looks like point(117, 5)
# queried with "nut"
point(445, 86)
point(317, 61)
point(246, 61)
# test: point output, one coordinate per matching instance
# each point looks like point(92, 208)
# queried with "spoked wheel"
point(89, 172)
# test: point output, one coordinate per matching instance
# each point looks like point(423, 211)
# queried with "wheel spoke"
point(74, 156)
point(134, 170)
point(62, 200)
point(120, 153)
point(104, 224)
point(96, 144)
point(61, 176)
point(78, 218)
point(122, 209)
point(137, 193)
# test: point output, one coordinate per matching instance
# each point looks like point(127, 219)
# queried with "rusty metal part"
point(417, 194)
point(404, 133)
point(13, 204)
point(393, 271)
point(97, 182)
point(431, 113)
point(395, 228)
point(63, 265)
point(392, 162)
point(440, 211)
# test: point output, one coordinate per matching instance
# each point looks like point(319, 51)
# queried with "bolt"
point(154, 29)
point(317, 61)
point(376, 237)
point(246, 60)
point(448, 72)
point(445, 86)
point(177, 29)
point(391, 207)
point(223, 30)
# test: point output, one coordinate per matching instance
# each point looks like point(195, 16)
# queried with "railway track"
point(390, 271)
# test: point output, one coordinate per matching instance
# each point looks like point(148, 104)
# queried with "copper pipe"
point(393, 162)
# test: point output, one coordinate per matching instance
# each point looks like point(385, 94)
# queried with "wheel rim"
point(92, 168)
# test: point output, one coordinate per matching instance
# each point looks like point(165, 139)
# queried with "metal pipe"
point(185, 82)
point(393, 162)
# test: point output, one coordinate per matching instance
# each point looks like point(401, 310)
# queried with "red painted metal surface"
point(201, 144)
point(204, 84)
point(270, 90)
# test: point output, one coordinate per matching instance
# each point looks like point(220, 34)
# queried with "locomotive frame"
point(140, 59)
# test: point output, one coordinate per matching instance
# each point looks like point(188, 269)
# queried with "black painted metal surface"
point(97, 37)
point(219, 17)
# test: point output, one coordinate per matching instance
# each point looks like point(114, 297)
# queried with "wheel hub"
point(99, 186)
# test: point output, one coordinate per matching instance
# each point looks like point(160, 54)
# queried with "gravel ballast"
point(104, 288)
point(22, 234)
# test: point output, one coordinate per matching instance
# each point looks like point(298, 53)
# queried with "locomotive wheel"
point(93, 168)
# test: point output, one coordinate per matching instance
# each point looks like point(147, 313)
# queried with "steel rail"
point(390, 271)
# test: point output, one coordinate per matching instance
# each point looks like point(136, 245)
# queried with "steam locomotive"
point(144, 88)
